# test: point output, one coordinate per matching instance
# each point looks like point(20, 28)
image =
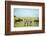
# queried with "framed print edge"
point(8, 17)
point(25, 28)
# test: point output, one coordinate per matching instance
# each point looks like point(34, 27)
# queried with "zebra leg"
point(27, 23)
point(24, 24)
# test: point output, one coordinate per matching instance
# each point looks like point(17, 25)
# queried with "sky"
point(28, 12)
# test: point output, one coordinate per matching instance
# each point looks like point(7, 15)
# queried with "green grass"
point(33, 24)
point(22, 25)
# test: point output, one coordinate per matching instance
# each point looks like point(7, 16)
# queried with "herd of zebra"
point(26, 22)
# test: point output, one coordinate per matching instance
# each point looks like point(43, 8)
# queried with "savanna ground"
point(20, 22)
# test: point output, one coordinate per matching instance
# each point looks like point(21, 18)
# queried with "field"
point(26, 21)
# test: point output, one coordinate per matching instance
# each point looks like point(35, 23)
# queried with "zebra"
point(26, 22)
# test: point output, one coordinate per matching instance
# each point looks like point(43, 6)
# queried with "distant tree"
point(18, 20)
point(36, 20)
point(14, 16)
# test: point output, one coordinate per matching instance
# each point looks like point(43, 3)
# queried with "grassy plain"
point(22, 24)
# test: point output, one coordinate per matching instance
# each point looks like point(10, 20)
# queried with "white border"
point(26, 28)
